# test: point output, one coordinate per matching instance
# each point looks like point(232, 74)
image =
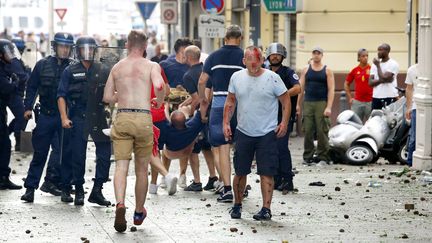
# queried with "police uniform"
point(83, 91)
point(44, 82)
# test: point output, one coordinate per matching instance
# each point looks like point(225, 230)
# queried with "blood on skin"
point(159, 87)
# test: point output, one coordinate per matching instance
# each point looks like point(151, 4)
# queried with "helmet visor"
point(10, 52)
point(63, 51)
point(86, 52)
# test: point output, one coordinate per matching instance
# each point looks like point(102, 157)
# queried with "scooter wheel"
point(359, 155)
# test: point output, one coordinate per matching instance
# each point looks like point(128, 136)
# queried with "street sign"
point(211, 26)
point(146, 9)
point(61, 12)
point(280, 6)
point(213, 6)
point(169, 12)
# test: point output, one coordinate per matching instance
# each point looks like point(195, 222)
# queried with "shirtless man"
point(129, 85)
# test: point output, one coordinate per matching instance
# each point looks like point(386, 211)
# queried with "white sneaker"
point(182, 181)
point(107, 132)
point(153, 189)
point(162, 183)
point(171, 184)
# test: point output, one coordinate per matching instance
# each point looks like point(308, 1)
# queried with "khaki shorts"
point(132, 132)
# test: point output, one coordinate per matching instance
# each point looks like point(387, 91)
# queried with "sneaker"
point(120, 220)
point(225, 197)
point(194, 187)
point(139, 217)
point(211, 183)
point(263, 214)
point(182, 181)
point(163, 184)
point(171, 184)
point(236, 211)
point(153, 189)
point(219, 187)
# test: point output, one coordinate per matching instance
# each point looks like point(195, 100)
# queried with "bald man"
point(190, 82)
point(181, 135)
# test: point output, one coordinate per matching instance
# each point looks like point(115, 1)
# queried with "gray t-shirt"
point(257, 101)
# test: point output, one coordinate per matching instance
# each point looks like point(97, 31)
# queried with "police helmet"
point(8, 50)
point(64, 39)
point(20, 44)
point(276, 48)
point(85, 48)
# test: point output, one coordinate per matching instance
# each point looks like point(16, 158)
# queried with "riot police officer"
point(44, 82)
point(276, 53)
point(9, 83)
point(15, 102)
point(81, 91)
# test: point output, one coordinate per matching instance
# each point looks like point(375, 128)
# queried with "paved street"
point(355, 213)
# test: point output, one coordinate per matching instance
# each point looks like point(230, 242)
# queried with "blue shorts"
point(265, 148)
point(162, 125)
point(216, 136)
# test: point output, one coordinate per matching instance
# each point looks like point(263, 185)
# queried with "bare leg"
point(120, 180)
point(166, 161)
point(239, 184)
point(225, 164)
point(157, 166)
point(215, 151)
point(183, 165)
point(194, 162)
point(208, 155)
point(141, 183)
point(267, 184)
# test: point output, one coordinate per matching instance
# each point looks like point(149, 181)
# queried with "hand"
point(376, 62)
point(298, 110)
point(155, 104)
point(350, 101)
point(408, 115)
point(204, 118)
point(227, 132)
point(281, 130)
point(327, 112)
point(28, 115)
point(66, 123)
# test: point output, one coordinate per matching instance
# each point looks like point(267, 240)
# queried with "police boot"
point(65, 196)
point(96, 196)
point(28, 195)
point(49, 187)
point(6, 183)
point(79, 195)
point(17, 141)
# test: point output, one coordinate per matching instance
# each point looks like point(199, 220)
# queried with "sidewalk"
point(356, 213)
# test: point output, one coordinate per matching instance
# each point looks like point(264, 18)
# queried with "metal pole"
point(85, 17)
point(50, 22)
point(169, 38)
point(288, 38)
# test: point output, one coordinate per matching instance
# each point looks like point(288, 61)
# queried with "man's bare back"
point(130, 80)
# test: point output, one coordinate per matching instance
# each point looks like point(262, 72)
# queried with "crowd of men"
point(242, 98)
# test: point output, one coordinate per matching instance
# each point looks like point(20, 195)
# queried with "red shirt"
point(363, 92)
point(158, 114)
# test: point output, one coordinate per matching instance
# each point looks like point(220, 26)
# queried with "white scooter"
point(384, 134)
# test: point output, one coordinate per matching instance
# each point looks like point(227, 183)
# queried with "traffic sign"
point(213, 6)
point(211, 26)
point(61, 12)
point(169, 12)
point(146, 9)
point(280, 6)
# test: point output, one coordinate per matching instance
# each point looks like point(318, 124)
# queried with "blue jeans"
point(412, 138)
point(46, 129)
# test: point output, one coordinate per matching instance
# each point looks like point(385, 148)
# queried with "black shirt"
point(191, 78)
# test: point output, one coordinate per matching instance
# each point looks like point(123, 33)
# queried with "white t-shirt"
point(385, 90)
point(411, 78)
point(257, 101)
